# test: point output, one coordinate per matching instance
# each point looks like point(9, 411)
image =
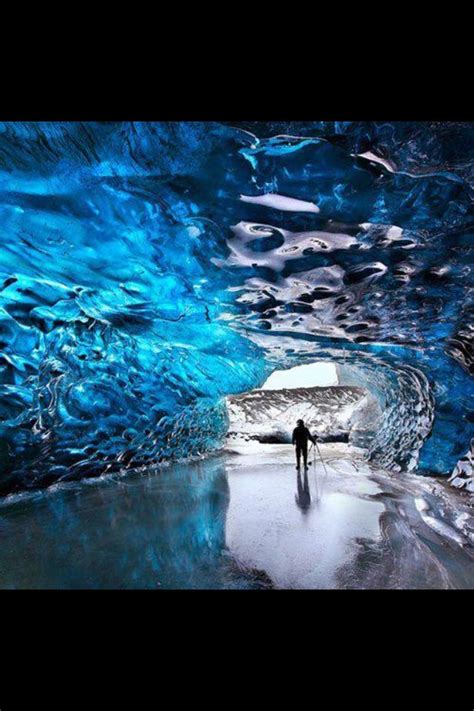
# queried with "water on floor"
point(241, 519)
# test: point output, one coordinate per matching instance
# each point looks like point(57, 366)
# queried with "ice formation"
point(138, 288)
point(462, 476)
point(335, 414)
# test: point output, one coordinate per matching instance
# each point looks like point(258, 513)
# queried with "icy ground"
point(351, 527)
point(241, 519)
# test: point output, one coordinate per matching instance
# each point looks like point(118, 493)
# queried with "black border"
point(327, 81)
point(335, 649)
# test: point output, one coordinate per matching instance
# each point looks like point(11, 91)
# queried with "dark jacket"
point(301, 435)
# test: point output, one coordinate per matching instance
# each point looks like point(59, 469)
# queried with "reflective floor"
point(241, 519)
point(161, 530)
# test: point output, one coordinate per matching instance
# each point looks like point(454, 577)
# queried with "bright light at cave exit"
point(303, 376)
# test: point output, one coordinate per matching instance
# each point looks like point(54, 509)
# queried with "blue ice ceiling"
point(147, 270)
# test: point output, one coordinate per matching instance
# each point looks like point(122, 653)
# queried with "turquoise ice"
point(148, 270)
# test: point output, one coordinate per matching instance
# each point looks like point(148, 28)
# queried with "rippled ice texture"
point(148, 270)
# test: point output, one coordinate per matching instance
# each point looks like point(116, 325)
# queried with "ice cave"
point(155, 275)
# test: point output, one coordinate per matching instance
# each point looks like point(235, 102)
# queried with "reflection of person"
point(303, 497)
point(301, 435)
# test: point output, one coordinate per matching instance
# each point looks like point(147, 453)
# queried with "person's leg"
point(305, 455)
point(298, 456)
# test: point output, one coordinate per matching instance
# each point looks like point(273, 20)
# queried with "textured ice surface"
point(462, 476)
point(138, 288)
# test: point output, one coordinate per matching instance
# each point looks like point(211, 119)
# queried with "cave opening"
point(320, 393)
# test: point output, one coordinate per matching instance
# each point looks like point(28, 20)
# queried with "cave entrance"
point(309, 375)
point(338, 413)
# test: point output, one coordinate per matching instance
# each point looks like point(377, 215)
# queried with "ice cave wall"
point(148, 270)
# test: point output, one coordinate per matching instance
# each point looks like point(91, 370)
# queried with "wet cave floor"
point(242, 518)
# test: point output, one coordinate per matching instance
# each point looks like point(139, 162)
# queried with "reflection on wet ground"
point(242, 519)
point(303, 495)
point(161, 530)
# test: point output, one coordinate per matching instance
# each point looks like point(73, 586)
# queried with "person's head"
point(300, 423)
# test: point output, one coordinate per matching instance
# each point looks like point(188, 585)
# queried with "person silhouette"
point(303, 497)
point(301, 435)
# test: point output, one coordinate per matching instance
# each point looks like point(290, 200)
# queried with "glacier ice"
point(334, 413)
point(462, 476)
point(138, 289)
